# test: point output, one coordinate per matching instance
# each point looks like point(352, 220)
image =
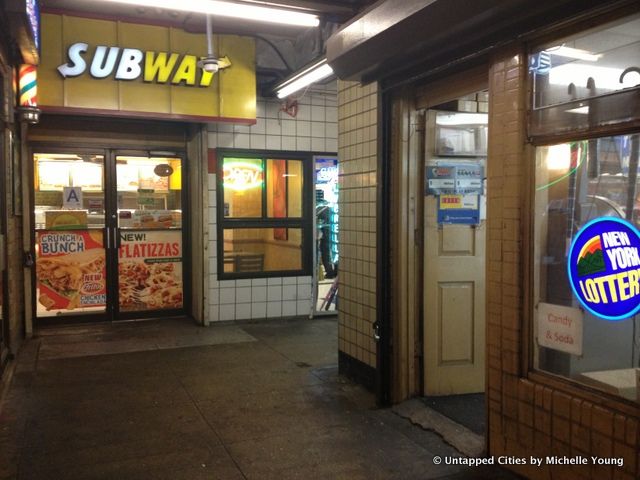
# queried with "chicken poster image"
point(71, 269)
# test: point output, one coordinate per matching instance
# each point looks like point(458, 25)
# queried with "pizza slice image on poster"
point(604, 268)
point(70, 269)
point(150, 270)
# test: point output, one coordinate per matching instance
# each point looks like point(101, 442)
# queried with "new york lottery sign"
point(604, 268)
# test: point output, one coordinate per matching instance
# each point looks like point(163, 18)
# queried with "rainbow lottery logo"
point(604, 268)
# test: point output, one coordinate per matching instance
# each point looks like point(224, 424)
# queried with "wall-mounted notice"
point(454, 178)
point(441, 179)
point(469, 178)
point(560, 328)
point(458, 209)
point(72, 198)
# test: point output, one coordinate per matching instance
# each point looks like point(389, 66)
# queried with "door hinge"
point(418, 237)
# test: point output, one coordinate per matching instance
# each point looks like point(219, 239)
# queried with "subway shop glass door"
point(108, 235)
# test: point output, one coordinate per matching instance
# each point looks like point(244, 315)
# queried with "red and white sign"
point(560, 328)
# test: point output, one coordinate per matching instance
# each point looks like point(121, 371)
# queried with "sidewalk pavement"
point(171, 400)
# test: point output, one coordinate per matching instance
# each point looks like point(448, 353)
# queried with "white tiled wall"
point(315, 128)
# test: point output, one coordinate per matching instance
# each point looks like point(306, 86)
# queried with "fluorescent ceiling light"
point(569, 52)
point(581, 110)
point(559, 157)
point(244, 11)
point(316, 72)
point(604, 77)
point(458, 118)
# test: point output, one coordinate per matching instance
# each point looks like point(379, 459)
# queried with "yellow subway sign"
point(94, 66)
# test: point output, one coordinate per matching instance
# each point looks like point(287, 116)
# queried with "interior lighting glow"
point(244, 11)
point(559, 157)
point(581, 110)
point(604, 77)
point(316, 72)
point(569, 52)
point(459, 118)
point(241, 176)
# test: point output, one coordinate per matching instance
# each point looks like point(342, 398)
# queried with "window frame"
point(539, 138)
point(304, 223)
point(544, 124)
point(535, 373)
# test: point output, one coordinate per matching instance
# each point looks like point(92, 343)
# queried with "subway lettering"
point(131, 64)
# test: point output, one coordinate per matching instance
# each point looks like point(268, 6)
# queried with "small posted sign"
point(72, 198)
point(560, 328)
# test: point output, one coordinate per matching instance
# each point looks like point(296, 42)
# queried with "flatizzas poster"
point(150, 270)
point(70, 269)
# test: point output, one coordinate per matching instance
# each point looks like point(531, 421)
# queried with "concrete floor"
point(169, 400)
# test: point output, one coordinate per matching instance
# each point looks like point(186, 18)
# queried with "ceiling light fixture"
point(308, 75)
point(569, 52)
point(235, 10)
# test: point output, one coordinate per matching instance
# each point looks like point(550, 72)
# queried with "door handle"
point(28, 259)
point(107, 242)
point(376, 331)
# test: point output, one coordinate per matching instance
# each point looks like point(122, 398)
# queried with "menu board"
point(70, 269)
point(150, 181)
point(87, 175)
point(149, 218)
point(133, 178)
point(150, 270)
point(128, 180)
point(53, 175)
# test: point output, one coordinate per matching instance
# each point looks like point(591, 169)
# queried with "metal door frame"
point(110, 231)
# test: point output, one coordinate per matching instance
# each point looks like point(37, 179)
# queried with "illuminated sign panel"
point(33, 17)
point(604, 268)
point(93, 66)
point(241, 176)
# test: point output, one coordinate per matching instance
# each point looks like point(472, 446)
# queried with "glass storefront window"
point(262, 215)
point(577, 183)
point(587, 80)
point(243, 184)
point(108, 235)
point(284, 188)
point(262, 249)
point(588, 64)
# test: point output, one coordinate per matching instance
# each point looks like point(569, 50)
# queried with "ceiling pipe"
point(210, 62)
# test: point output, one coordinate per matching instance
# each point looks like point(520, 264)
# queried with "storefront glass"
point(107, 227)
point(588, 80)
point(150, 233)
point(69, 237)
point(262, 249)
point(577, 183)
point(326, 235)
point(262, 215)
point(587, 208)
